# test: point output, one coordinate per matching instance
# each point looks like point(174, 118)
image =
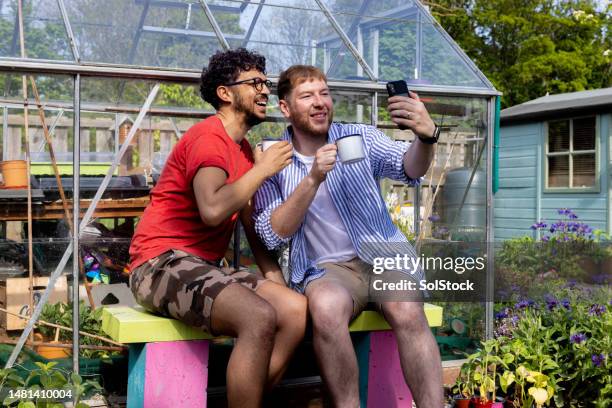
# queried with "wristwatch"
point(433, 139)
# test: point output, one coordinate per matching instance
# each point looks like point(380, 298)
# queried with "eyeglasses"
point(258, 83)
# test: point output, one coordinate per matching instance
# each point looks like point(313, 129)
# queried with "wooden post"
point(13, 143)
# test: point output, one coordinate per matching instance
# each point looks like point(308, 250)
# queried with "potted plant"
point(464, 387)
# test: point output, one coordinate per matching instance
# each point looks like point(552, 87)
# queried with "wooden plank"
point(515, 213)
point(386, 385)
point(515, 203)
point(54, 211)
point(137, 362)
point(514, 162)
point(517, 172)
point(185, 364)
point(104, 140)
point(518, 151)
point(60, 140)
point(135, 325)
point(516, 141)
point(370, 320)
point(515, 192)
point(513, 182)
point(85, 134)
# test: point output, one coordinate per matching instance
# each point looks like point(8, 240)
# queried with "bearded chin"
point(303, 125)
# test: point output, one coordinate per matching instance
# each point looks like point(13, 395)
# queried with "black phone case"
point(398, 88)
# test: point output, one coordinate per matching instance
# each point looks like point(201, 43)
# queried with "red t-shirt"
point(172, 219)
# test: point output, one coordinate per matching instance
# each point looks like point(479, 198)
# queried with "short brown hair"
point(295, 75)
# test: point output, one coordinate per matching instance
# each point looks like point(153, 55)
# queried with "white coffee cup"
point(265, 143)
point(350, 148)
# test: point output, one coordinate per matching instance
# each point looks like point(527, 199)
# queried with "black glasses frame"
point(258, 83)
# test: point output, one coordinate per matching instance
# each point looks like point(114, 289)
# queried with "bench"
point(168, 360)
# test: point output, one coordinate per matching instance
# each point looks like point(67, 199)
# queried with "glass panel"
point(558, 136)
point(584, 134)
point(272, 31)
point(583, 170)
point(558, 171)
point(442, 64)
point(44, 31)
point(170, 36)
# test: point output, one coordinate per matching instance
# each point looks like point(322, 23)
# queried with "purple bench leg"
point(386, 385)
point(176, 374)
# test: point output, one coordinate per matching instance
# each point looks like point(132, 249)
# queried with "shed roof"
point(561, 105)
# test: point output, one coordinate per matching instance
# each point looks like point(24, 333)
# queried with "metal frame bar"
point(139, 31)
point(187, 32)
point(68, 27)
point(76, 258)
point(347, 42)
point(247, 36)
point(215, 26)
point(490, 279)
point(17, 65)
point(351, 32)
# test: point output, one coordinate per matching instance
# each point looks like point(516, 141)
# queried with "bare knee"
point(260, 323)
point(330, 313)
point(406, 316)
point(294, 312)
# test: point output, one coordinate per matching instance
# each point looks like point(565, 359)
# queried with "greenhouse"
point(95, 94)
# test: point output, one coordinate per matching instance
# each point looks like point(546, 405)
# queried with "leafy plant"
point(45, 377)
point(90, 321)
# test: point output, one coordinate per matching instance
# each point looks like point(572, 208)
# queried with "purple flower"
point(566, 304)
point(502, 315)
point(515, 319)
point(551, 303)
point(563, 211)
point(434, 218)
point(578, 338)
point(597, 359)
point(573, 216)
point(523, 304)
point(597, 310)
point(538, 225)
point(545, 238)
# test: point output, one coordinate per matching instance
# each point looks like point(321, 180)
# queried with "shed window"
point(571, 154)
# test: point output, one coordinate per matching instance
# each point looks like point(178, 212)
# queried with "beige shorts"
point(356, 277)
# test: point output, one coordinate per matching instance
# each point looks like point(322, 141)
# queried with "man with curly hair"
point(206, 184)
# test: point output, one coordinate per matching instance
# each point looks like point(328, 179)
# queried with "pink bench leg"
point(386, 385)
point(176, 374)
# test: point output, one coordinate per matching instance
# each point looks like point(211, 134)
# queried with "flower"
point(551, 303)
point(597, 310)
point(503, 314)
point(434, 218)
point(566, 304)
point(597, 359)
point(540, 395)
point(578, 338)
point(523, 304)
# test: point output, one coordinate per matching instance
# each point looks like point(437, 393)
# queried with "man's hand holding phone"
point(408, 112)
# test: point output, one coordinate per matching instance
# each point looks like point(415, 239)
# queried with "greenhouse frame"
point(113, 85)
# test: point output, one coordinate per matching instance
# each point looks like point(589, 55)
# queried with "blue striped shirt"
point(354, 190)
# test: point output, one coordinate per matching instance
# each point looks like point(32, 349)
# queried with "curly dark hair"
point(225, 67)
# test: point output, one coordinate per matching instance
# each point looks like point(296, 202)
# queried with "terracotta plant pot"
point(478, 403)
point(462, 403)
point(50, 352)
point(14, 173)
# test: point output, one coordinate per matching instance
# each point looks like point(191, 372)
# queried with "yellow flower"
point(540, 395)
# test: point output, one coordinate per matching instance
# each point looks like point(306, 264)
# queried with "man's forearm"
point(417, 159)
point(265, 259)
point(230, 198)
point(288, 217)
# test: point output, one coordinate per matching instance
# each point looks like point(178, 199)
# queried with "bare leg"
point(419, 354)
point(330, 307)
point(291, 323)
point(240, 313)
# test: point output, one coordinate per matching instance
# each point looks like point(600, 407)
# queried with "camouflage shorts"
point(183, 286)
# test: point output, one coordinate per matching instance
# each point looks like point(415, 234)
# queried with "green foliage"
point(90, 321)
point(45, 377)
point(528, 48)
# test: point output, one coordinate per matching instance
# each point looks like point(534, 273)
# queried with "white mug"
point(350, 148)
point(265, 143)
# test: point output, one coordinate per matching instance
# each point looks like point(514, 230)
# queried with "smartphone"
point(397, 88)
